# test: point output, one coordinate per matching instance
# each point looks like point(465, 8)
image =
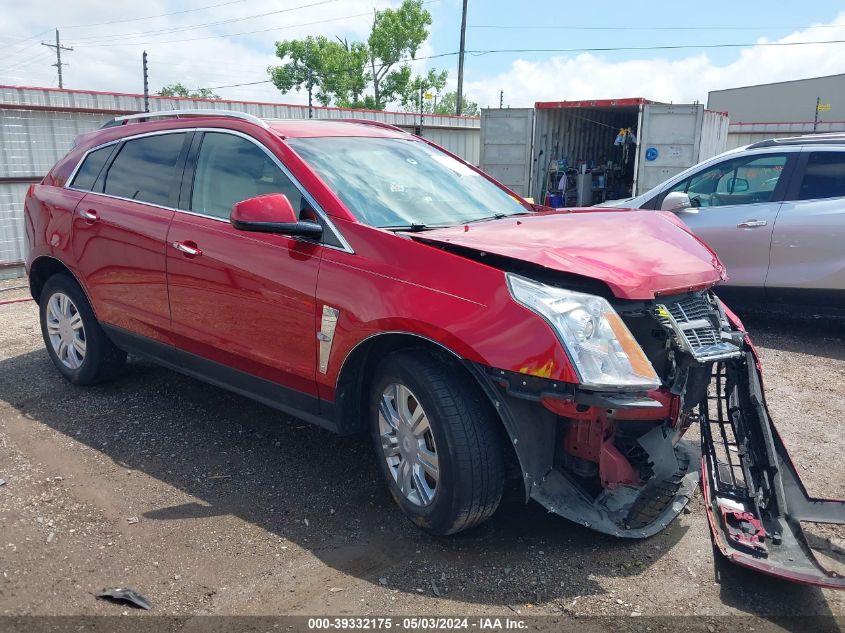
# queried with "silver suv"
point(774, 211)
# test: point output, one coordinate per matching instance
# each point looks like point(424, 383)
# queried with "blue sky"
point(529, 19)
point(197, 44)
point(651, 23)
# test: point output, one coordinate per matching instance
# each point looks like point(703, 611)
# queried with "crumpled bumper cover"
point(630, 511)
point(755, 500)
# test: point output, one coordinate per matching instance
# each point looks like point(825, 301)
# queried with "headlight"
point(601, 347)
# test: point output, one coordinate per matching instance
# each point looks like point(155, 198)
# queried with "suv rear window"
point(824, 176)
point(145, 169)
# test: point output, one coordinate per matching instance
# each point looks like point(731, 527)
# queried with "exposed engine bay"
point(621, 465)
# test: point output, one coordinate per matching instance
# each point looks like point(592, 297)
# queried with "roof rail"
point(388, 126)
point(832, 138)
point(232, 114)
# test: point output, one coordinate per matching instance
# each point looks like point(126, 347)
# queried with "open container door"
point(669, 138)
point(506, 146)
point(759, 512)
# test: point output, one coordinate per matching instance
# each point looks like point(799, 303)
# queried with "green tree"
point(396, 35)
point(342, 71)
point(328, 70)
point(179, 90)
point(447, 104)
point(432, 82)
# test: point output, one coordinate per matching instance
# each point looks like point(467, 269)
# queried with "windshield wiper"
point(497, 216)
point(413, 227)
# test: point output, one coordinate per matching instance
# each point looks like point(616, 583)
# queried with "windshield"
point(400, 183)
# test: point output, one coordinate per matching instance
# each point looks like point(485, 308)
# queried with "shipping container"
point(568, 153)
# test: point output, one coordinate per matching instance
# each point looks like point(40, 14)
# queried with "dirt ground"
point(208, 503)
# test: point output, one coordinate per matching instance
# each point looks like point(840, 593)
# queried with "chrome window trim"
point(345, 246)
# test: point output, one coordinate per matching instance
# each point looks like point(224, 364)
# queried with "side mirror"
point(677, 202)
point(272, 213)
point(737, 185)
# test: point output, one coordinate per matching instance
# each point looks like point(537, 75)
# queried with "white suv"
point(774, 211)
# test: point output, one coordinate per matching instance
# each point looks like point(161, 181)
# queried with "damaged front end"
point(617, 461)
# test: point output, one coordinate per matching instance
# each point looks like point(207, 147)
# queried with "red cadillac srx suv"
point(364, 279)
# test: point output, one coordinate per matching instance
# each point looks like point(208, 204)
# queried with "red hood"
point(639, 254)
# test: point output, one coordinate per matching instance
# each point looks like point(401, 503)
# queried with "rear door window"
point(231, 169)
point(145, 169)
point(824, 176)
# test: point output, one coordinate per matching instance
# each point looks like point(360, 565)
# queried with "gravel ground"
point(208, 503)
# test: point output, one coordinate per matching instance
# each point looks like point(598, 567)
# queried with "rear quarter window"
point(90, 169)
point(145, 169)
point(824, 176)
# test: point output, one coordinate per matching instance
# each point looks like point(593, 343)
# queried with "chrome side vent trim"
point(328, 324)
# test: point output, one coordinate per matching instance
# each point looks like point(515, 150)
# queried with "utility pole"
point(59, 48)
point(310, 85)
point(816, 117)
point(459, 98)
point(422, 95)
point(501, 99)
point(146, 83)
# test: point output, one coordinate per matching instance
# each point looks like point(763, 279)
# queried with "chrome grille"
point(701, 336)
point(695, 324)
point(690, 308)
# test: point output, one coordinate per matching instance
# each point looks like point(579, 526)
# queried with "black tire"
point(102, 360)
point(466, 435)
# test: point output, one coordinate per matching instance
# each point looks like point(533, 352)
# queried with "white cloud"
point(206, 62)
point(232, 60)
point(591, 76)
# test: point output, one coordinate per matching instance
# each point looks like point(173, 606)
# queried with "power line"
point(650, 28)
point(564, 50)
point(40, 56)
point(604, 49)
point(179, 29)
point(222, 35)
point(337, 72)
point(151, 17)
point(21, 41)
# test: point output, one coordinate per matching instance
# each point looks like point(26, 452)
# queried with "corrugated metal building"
point(781, 109)
point(38, 125)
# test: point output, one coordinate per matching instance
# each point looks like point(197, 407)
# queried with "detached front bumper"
point(759, 512)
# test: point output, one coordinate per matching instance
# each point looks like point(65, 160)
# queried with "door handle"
point(189, 248)
point(89, 215)
point(751, 224)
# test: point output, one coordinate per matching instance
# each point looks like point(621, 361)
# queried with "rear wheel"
point(78, 346)
point(437, 442)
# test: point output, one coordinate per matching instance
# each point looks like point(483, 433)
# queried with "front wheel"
point(78, 346)
point(437, 442)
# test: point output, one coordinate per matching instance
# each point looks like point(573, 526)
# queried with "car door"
point(735, 203)
point(242, 304)
point(808, 242)
point(120, 230)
